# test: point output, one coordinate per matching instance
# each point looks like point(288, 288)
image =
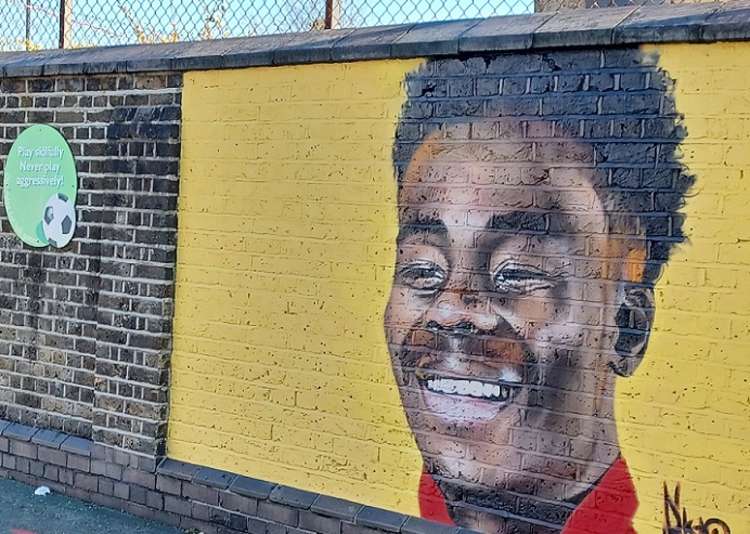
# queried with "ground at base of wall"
point(24, 513)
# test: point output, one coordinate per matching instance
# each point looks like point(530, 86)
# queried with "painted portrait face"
point(502, 321)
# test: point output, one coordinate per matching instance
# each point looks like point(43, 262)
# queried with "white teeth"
point(470, 388)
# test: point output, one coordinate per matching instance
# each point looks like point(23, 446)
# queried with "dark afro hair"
point(615, 106)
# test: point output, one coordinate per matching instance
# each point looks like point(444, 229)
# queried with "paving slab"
point(23, 512)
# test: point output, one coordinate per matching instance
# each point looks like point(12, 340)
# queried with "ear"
point(634, 320)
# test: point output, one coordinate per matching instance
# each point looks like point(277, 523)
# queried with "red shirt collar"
point(609, 508)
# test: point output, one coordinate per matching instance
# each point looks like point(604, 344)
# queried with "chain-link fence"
point(41, 24)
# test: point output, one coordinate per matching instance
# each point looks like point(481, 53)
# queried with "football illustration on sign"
point(59, 220)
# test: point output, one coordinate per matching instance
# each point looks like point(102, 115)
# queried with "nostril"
point(433, 326)
point(465, 327)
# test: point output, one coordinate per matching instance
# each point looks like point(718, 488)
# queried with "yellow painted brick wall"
point(287, 225)
point(685, 416)
point(286, 228)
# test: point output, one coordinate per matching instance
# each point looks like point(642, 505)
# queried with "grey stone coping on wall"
point(706, 22)
point(179, 493)
point(47, 438)
point(366, 516)
point(338, 508)
point(191, 496)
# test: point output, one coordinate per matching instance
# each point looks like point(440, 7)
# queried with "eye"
point(520, 279)
point(422, 275)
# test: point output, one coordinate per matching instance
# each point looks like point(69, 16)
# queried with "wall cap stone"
point(380, 519)
point(250, 487)
point(49, 438)
point(76, 445)
point(415, 525)
point(213, 478)
point(178, 470)
point(292, 497)
point(334, 507)
point(694, 23)
point(19, 432)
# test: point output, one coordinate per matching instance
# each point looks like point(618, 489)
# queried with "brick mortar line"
point(138, 349)
point(146, 298)
point(77, 305)
point(120, 380)
point(42, 412)
point(121, 432)
point(155, 246)
point(92, 372)
point(75, 108)
point(93, 93)
point(124, 415)
point(55, 285)
point(572, 416)
point(53, 270)
point(51, 364)
point(141, 401)
point(66, 351)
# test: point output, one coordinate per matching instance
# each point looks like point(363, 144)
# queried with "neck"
point(487, 510)
point(492, 522)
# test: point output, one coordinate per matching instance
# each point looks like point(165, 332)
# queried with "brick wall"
point(576, 168)
point(85, 330)
point(345, 231)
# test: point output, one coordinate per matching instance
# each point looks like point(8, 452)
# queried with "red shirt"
point(609, 508)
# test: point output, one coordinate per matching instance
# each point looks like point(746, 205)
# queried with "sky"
point(108, 22)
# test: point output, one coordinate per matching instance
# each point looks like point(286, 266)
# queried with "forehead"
point(471, 182)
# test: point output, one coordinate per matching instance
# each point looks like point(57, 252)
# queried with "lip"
point(460, 381)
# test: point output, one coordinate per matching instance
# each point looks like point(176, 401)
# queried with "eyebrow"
point(426, 226)
point(520, 220)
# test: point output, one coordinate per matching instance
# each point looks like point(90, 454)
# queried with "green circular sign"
point(40, 187)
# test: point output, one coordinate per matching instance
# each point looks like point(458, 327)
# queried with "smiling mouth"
point(476, 389)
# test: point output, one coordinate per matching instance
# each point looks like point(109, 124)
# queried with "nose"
point(464, 312)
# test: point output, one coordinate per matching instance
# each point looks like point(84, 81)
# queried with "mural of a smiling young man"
point(530, 238)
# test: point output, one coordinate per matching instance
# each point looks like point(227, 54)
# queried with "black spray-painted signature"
point(676, 521)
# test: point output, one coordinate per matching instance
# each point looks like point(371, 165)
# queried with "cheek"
point(401, 313)
point(558, 318)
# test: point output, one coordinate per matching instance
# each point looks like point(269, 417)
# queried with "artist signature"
point(676, 521)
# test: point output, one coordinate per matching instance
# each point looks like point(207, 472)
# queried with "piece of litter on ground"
point(42, 491)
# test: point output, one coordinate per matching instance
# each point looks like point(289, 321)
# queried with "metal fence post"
point(333, 14)
point(27, 35)
point(66, 7)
